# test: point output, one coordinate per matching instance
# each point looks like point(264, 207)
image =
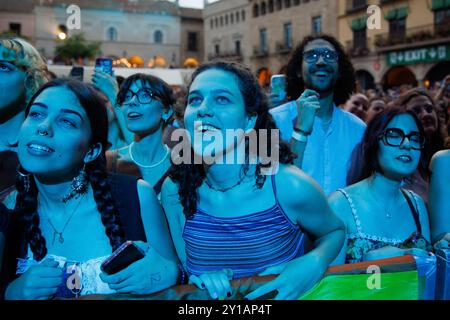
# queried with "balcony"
point(259, 52)
point(283, 47)
point(425, 34)
point(228, 55)
point(356, 5)
point(357, 50)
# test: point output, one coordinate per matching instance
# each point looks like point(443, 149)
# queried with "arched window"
point(278, 5)
point(263, 8)
point(237, 16)
point(243, 15)
point(111, 34)
point(158, 37)
point(270, 6)
point(255, 10)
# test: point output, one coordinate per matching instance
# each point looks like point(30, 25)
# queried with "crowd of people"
point(86, 167)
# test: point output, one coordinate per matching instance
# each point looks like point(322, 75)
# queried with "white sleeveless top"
point(86, 279)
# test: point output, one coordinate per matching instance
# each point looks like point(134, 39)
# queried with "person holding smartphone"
point(69, 211)
point(104, 81)
point(320, 77)
point(147, 104)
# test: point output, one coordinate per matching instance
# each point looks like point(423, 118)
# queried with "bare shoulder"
point(169, 187)
point(295, 187)
point(441, 162)
point(146, 193)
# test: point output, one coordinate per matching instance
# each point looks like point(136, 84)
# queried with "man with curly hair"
point(320, 77)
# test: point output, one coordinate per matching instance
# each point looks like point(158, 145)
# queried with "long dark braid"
point(26, 209)
point(106, 205)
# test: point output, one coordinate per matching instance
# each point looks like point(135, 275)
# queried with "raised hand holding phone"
point(277, 89)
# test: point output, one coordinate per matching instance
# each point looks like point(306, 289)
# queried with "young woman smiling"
point(230, 220)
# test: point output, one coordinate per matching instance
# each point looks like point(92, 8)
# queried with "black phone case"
point(125, 255)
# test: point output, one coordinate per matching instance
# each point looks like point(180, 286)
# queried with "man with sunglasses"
point(320, 77)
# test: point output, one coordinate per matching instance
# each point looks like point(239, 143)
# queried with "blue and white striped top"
point(247, 244)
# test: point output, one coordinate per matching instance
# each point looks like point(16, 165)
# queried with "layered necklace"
point(151, 165)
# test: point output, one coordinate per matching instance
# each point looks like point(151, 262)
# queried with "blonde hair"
point(25, 56)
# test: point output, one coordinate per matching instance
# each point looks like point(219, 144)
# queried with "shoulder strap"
point(114, 158)
point(157, 187)
point(274, 188)
point(413, 209)
point(352, 207)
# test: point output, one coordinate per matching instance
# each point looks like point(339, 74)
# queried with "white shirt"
point(327, 154)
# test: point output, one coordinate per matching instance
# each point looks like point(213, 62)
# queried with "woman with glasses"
point(383, 219)
point(146, 102)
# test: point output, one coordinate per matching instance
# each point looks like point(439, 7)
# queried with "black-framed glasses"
point(395, 137)
point(312, 56)
point(144, 96)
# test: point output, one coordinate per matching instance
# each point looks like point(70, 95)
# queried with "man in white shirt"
point(322, 135)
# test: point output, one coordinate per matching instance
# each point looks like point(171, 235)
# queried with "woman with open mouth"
point(228, 220)
point(146, 102)
point(69, 212)
point(383, 219)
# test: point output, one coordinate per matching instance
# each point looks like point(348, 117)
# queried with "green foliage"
point(76, 47)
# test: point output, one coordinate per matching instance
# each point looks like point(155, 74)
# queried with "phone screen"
point(278, 85)
point(104, 64)
point(77, 73)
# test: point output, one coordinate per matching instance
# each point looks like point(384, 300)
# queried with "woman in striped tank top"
point(231, 219)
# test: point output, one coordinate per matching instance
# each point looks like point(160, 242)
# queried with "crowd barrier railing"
point(399, 278)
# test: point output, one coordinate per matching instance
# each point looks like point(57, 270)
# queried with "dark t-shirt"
point(8, 172)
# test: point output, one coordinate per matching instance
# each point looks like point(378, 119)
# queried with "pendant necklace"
point(59, 234)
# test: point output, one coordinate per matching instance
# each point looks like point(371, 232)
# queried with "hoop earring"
point(78, 186)
point(25, 178)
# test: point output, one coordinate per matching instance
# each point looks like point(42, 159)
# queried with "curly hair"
point(365, 155)
point(26, 200)
point(189, 177)
point(26, 57)
point(345, 83)
point(437, 139)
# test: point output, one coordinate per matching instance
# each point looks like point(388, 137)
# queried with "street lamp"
point(62, 32)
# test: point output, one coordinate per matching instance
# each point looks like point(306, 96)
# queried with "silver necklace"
point(147, 166)
point(59, 234)
point(224, 189)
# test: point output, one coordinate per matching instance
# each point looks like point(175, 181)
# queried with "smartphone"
point(77, 73)
point(278, 85)
point(105, 65)
point(125, 255)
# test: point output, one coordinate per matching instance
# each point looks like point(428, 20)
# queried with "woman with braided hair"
point(68, 212)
